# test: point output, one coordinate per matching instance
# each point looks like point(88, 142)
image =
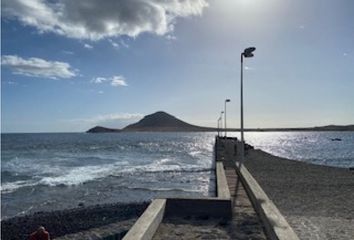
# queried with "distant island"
point(164, 122)
point(99, 129)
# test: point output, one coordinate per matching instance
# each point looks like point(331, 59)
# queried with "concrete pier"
point(240, 210)
point(230, 215)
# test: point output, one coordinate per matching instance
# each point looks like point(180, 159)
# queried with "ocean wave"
point(80, 175)
point(194, 153)
point(10, 187)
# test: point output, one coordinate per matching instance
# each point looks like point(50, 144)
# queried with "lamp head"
point(248, 52)
point(227, 100)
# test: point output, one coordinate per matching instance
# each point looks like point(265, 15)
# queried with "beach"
point(60, 223)
point(317, 201)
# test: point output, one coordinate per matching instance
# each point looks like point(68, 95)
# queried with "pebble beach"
point(69, 221)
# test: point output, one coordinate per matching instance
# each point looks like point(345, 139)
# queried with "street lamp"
point(247, 53)
point(218, 126)
point(220, 120)
point(226, 101)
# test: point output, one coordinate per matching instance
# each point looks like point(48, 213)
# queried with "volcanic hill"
point(156, 122)
point(162, 122)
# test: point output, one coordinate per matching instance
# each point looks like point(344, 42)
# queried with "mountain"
point(163, 122)
point(335, 128)
point(99, 129)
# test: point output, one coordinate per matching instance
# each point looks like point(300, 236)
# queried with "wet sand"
point(317, 201)
point(59, 223)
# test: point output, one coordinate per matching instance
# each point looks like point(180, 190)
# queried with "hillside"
point(162, 122)
point(99, 129)
point(335, 128)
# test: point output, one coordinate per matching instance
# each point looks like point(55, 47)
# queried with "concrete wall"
point(274, 222)
point(148, 223)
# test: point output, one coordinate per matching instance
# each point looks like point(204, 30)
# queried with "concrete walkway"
point(244, 223)
point(241, 209)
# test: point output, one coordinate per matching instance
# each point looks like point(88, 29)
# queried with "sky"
point(67, 66)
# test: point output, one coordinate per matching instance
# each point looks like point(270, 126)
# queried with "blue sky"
point(70, 65)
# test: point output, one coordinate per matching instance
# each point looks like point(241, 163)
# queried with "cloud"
point(115, 81)
point(114, 119)
point(99, 80)
point(118, 81)
point(37, 67)
point(11, 83)
point(118, 45)
point(114, 44)
point(88, 46)
point(97, 19)
point(170, 37)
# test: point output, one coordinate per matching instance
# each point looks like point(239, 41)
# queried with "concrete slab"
point(148, 223)
point(221, 182)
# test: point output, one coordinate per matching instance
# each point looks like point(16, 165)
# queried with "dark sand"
point(317, 201)
point(59, 223)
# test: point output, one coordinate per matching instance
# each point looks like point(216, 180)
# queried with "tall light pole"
point(247, 53)
point(226, 101)
point(220, 118)
point(218, 126)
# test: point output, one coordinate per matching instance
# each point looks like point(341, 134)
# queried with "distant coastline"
point(164, 122)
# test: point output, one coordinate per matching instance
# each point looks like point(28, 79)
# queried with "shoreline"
point(316, 200)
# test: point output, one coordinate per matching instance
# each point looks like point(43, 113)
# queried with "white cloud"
point(37, 67)
point(118, 81)
point(11, 83)
point(88, 46)
point(114, 44)
point(118, 45)
point(124, 44)
point(170, 37)
point(115, 81)
point(108, 119)
point(99, 80)
point(97, 19)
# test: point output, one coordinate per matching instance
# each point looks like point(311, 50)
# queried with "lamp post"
point(247, 53)
point(218, 126)
point(226, 101)
point(220, 119)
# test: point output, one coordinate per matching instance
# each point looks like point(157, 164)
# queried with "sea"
point(54, 171)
